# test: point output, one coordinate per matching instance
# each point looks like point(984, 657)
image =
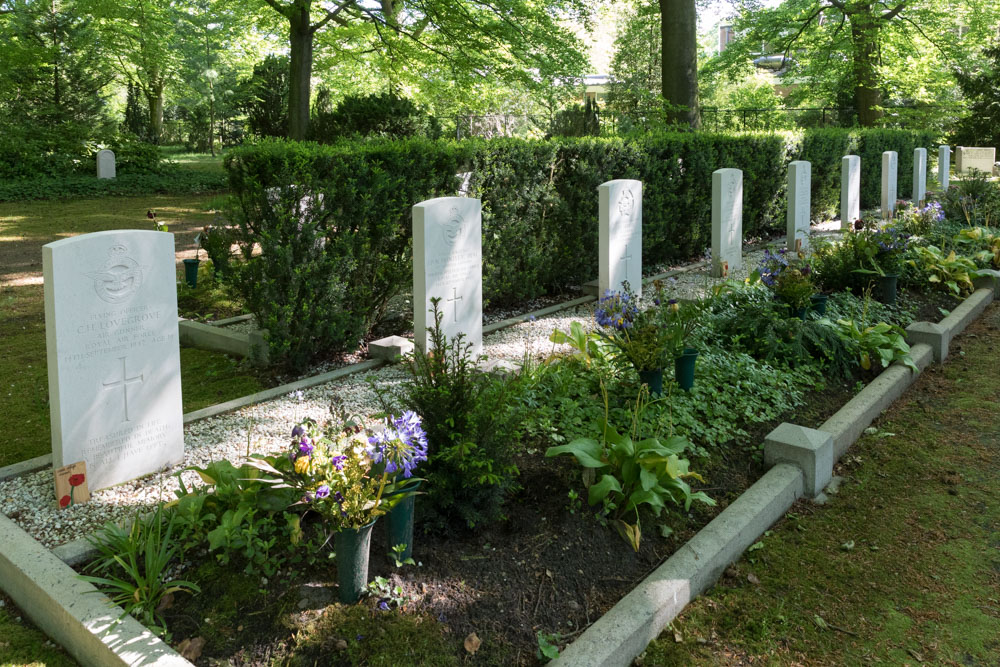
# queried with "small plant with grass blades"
point(132, 567)
point(633, 472)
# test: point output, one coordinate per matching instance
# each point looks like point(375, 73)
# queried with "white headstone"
point(919, 175)
point(727, 221)
point(105, 165)
point(850, 190)
point(448, 264)
point(464, 183)
point(113, 355)
point(890, 163)
point(620, 237)
point(944, 166)
point(968, 158)
point(799, 202)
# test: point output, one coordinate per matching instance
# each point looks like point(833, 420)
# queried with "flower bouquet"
point(636, 335)
point(789, 275)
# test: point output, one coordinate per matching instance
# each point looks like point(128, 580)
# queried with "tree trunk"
point(154, 96)
point(679, 64)
point(867, 96)
point(301, 58)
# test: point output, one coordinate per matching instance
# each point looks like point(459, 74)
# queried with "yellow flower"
point(302, 464)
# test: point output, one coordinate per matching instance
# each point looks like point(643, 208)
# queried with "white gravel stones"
point(265, 428)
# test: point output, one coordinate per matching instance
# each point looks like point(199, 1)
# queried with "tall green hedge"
point(325, 272)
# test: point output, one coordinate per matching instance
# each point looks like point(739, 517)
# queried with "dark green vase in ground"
point(399, 525)
point(819, 303)
point(191, 272)
point(653, 379)
point(887, 289)
point(353, 547)
point(684, 368)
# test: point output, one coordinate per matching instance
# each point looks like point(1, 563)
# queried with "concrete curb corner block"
point(987, 279)
point(389, 348)
point(808, 449)
point(933, 334)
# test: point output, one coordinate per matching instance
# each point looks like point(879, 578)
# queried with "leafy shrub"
point(332, 225)
point(578, 120)
point(264, 97)
point(383, 115)
point(472, 421)
point(974, 200)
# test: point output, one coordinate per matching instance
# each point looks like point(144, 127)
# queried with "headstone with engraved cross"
point(620, 236)
point(727, 221)
point(113, 355)
point(448, 265)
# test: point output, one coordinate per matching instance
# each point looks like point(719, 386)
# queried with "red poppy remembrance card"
point(71, 484)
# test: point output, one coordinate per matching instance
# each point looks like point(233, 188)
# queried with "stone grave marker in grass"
point(448, 265)
point(890, 162)
point(944, 166)
point(799, 199)
point(968, 158)
point(727, 221)
point(113, 354)
point(850, 190)
point(105, 164)
point(919, 175)
point(620, 236)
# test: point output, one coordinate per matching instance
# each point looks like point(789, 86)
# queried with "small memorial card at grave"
point(72, 487)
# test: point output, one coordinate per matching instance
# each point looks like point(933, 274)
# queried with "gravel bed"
point(265, 428)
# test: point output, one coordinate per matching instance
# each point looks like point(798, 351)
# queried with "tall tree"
point(679, 67)
point(503, 39)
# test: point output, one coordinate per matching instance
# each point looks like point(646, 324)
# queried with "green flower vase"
point(353, 546)
point(818, 303)
point(191, 272)
point(654, 380)
point(887, 288)
point(684, 368)
point(399, 525)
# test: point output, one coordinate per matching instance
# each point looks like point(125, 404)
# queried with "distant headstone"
point(464, 183)
point(799, 198)
point(850, 190)
point(105, 164)
point(890, 162)
point(919, 175)
point(727, 221)
point(113, 354)
point(944, 166)
point(620, 237)
point(448, 265)
point(968, 158)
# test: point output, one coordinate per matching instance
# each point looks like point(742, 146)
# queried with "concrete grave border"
point(803, 462)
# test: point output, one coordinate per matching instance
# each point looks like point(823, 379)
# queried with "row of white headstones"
point(111, 306)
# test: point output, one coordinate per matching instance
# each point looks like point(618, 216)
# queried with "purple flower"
point(383, 605)
point(298, 431)
point(401, 444)
point(338, 497)
point(305, 446)
point(322, 492)
point(338, 462)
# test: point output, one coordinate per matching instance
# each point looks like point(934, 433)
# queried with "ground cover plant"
point(915, 507)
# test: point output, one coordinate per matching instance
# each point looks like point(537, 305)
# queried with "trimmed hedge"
point(540, 217)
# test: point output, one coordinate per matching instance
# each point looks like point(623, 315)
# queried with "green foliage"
point(974, 200)
point(633, 471)
point(241, 517)
point(981, 124)
point(384, 115)
point(881, 341)
point(578, 120)
point(265, 97)
point(132, 566)
point(951, 271)
point(332, 224)
point(472, 420)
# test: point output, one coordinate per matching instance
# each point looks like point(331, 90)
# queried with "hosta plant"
point(629, 472)
point(953, 271)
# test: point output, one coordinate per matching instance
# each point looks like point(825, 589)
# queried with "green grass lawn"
point(207, 377)
point(193, 161)
point(24, 645)
point(901, 567)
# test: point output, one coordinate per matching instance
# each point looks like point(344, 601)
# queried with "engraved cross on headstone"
point(456, 299)
point(124, 383)
point(626, 256)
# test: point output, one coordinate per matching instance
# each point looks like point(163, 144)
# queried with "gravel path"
point(265, 428)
